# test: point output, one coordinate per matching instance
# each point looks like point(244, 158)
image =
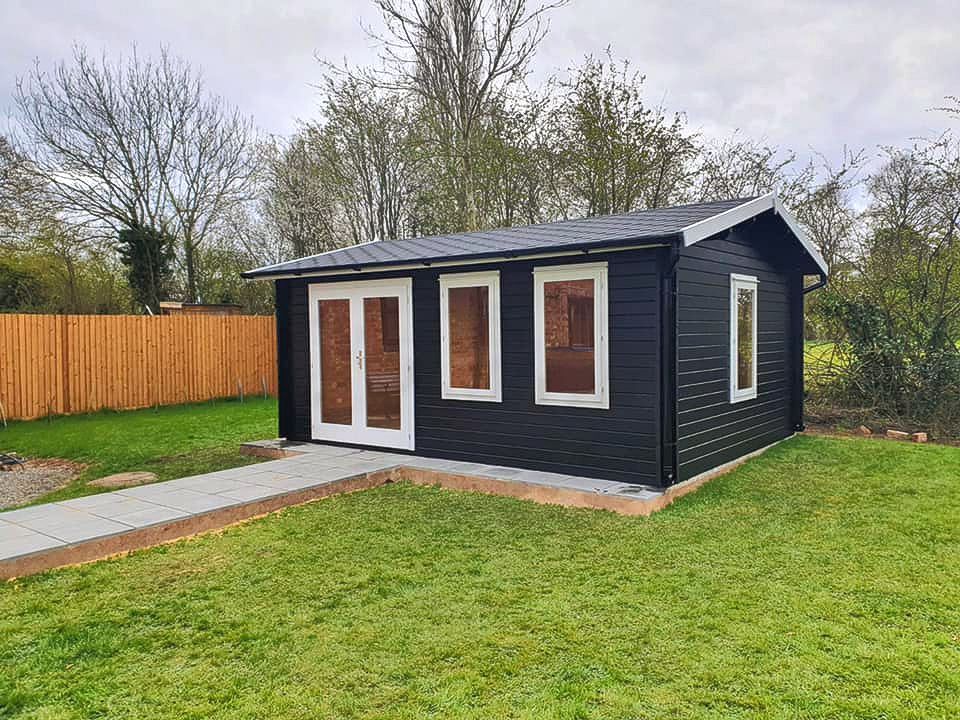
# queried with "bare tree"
point(459, 57)
point(819, 192)
point(90, 131)
point(210, 167)
point(21, 196)
point(365, 146)
point(511, 165)
point(826, 207)
point(134, 144)
point(737, 168)
point(297, 202)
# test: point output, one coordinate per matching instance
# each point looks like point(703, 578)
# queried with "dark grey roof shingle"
point(527, 240)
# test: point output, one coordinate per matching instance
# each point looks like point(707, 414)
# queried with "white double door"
point(361, 362)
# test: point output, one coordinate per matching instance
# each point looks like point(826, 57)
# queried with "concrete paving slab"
point(538, 477)
point(27, 544)
point(119, 506)
point(89, 501)
point(246, 493)
point(34, 512)
point(77, 529)
point(589, 484)
point(211, 486)
point(194, 502)
point(295, 482)
point(152, 516)
point(11, 531)
point(150, 493)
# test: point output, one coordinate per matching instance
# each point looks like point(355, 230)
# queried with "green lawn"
point(820, 580)
point(172, 442)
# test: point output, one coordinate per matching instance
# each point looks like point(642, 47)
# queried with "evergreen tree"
point(148, 255)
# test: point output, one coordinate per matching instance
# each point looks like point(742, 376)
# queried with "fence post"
point(64, 360)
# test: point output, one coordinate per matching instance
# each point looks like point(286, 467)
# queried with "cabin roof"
point(684, 223)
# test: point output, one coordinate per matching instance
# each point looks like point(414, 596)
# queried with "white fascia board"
point(734, 216)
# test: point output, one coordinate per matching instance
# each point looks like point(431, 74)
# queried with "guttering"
point(817, 285)
point(507, 256)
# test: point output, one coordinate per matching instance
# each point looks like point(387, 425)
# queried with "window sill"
point(480, 396)
point(565, 400)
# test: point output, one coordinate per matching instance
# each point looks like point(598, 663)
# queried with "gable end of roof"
point(711, 226)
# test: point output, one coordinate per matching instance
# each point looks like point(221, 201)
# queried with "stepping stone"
point(124, 480)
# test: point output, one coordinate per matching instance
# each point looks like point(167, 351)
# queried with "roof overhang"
point(355, 270)
point(704, 229)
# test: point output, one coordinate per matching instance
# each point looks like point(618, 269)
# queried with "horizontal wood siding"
point(621, 443)
point(711, 430)
point(298, 362)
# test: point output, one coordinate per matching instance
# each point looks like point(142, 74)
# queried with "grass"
point(819, 580)
point(172, 442)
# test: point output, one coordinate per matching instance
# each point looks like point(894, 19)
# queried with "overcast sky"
point(818, 74)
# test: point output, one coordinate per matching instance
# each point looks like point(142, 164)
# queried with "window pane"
point(468, 310)
point(745, 310)
point(381, 349)
point(569, 336)
point(336, 386)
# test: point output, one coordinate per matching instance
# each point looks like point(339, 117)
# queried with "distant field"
point(821, 360)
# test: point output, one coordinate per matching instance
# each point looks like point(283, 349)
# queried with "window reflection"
point(469, 332)
point(569, 334)
point(336, 386)
point(381, 330)
point(745, 309)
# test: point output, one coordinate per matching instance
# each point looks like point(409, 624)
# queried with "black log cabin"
point(647, 347)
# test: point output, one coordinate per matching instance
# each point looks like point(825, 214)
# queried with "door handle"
point(360, 359)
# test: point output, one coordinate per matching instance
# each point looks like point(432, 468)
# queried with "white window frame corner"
point(738, 282)
point(491, 280)
point(601, 319)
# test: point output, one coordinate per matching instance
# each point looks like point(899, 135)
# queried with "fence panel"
point(63, 364)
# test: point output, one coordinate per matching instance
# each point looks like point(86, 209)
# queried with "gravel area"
point(34, 479)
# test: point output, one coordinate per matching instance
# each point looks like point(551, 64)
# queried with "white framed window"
point(570, 316)
point(470, 336)
point(743, 337)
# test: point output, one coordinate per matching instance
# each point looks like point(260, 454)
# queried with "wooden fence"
point(61, 364)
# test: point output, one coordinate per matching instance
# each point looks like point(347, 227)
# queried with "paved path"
point(61, 525)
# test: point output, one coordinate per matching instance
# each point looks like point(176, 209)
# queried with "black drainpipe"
point(668, 367)
point(797, 314)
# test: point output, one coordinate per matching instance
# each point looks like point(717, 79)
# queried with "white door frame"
point(357, 432)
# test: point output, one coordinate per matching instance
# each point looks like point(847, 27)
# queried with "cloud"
point(806, 75)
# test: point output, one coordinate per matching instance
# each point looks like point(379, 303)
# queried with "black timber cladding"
point(711, 430)
point(607, 230)
point(621, 443)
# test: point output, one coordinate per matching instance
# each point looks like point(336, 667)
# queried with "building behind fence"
point(62, 364)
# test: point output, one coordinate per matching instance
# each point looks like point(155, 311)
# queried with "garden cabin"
point(648, 347)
